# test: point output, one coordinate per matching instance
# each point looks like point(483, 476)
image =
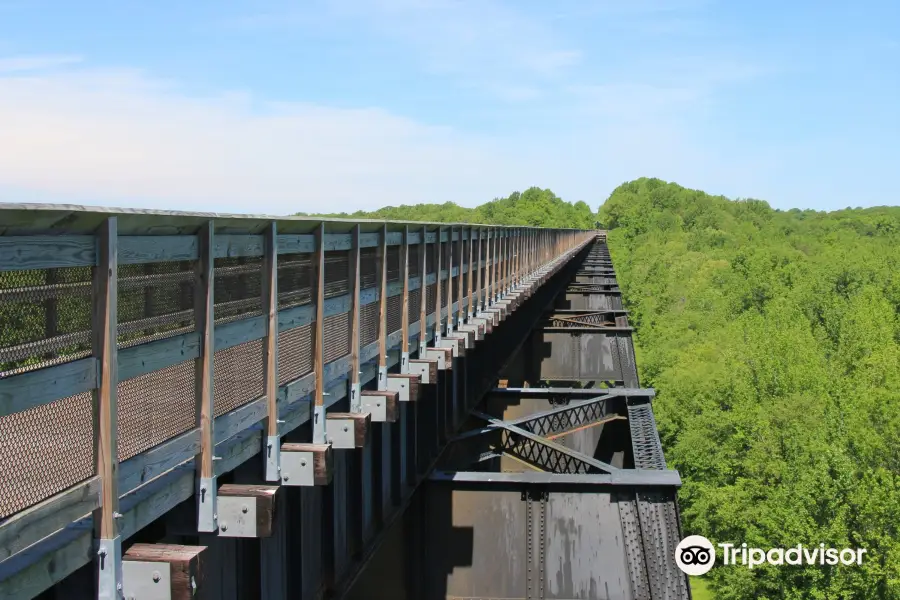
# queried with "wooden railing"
point(134, 342)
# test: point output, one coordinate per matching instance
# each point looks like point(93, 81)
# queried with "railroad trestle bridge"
point(229, 406)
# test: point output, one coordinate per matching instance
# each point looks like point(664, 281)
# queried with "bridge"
point(198, 405)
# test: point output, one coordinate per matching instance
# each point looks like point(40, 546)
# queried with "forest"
point(773, 341)
point(533, 207)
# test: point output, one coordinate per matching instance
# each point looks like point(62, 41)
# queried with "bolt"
point(224, 527)
point(285, 477)
point(302, 463)
point(244, 509)
point(156, 577)
point(346, 429)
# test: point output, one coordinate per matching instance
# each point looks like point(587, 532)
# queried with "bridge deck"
point(147, 357)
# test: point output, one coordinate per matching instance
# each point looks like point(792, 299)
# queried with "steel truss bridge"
point(231, 406)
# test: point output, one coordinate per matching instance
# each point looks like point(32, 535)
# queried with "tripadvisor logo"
point(695, 555)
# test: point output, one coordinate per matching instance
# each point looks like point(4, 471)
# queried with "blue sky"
point(276, 107)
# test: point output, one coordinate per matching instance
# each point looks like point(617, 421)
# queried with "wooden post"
point(355, 395)
point(204, 318)
point(270, 352)
point(382, 295)
point(104, 321)
point(496, 251)
point(438, 322)
point(460, 280)
point(404, 321)
point(479, 305)
point(423, 296)
point(488, 268)
point(319, 432)
point(450, 281)
point(471, 308)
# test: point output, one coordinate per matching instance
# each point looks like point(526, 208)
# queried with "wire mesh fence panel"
point(393, 263)
point(238, 376)
point(155, 301)
point(394, 313)
point(156, 407)
point(295, 357)
point(238, 288)
point(430, 298)
point(369, 321)
point(414, 260)
point(415, 305)
point(368, 268)
point(295, 280)
point(45, 450)
point(337, 273)
point(45, 318)
point(337, 336)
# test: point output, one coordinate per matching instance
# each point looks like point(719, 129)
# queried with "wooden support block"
point(306, 464)
point(491, 315)
point(246, 511)
point(347, 431)
point(470, 334)
point(443, 356)
point(476, 330)
point(456, 344)
point(407, 384)
point(163, 572)
point(425, 368)
point(486, 325)
point(382, 405)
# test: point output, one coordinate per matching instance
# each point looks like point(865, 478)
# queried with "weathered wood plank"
point(204, 307)
point(21, 252)
point(232, 246)
point(144, 467)
point(296, 244)
point(104, 346)
point(28, 390)
point(140, 249)
point(158, 355)
point(37, 522)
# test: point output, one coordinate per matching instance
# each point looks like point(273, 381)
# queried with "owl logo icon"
point(695, 555)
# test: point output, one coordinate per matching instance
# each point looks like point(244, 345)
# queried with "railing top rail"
point(27, 218)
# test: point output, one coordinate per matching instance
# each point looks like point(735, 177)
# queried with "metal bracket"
point(237, 516)
point(382, 377)
point(404, 362)
point(355, 398)
point(342, 434)
point(320, 435)
point(375, 406)
point(147, 580)
point(273, 458)
point(298, 468)
point(206, 505)
point(109, 571)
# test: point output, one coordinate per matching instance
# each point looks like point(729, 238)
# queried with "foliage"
point(772, 340)
point(533, 207)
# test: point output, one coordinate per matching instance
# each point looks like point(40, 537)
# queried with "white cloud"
point(35, 63)
point(118, 137)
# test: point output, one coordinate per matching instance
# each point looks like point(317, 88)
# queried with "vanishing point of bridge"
point(225, 406)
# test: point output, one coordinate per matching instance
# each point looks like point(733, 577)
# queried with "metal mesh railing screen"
point(238, 373)
point(155, 301)
point(295, 280)
point(430, 298)
point(369, 275)
point(295, 357)
point(337, 273)
point(238, 288)
point(337, 336)
point(393, 263)
point(415, 305)
point(45, 316)
point(155, 407)
point(44, 450)
point(369, 318)
point(394, 313)
point(414, 260)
